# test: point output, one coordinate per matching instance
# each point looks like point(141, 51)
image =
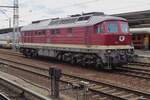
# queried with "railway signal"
point(55, 75)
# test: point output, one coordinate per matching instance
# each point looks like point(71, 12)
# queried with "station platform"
point(143, 56)
point(42, 92)
point(15, 84)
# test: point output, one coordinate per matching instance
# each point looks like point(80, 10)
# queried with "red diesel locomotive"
point(88, 39)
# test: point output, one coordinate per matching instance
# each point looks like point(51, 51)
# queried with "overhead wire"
point(93, 1)
point(89, 2)
point(76, 4)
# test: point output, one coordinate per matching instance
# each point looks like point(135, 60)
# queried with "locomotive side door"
point(48, 36)
point(87, 36)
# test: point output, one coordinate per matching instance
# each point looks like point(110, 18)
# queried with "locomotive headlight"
point(121, 38)
point(108, 51)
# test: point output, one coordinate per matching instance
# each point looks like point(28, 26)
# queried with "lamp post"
point(15, 24)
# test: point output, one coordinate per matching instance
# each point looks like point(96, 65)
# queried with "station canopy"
point(137, 19)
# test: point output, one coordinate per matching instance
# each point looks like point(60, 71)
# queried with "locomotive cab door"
point(87, 36)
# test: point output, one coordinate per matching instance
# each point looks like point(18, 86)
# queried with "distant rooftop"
point(7, 30)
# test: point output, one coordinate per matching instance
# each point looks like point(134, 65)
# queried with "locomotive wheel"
point(83, 61)
point(35, 54)
point(26, 54)
point(64, 58)
point(99, 64)
point(29, 55)
point(83, 64)
point(59, 57)
point(73, 60)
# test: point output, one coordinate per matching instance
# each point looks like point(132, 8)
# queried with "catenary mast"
point(15, 24)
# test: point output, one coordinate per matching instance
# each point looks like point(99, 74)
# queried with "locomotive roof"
point(79, 21)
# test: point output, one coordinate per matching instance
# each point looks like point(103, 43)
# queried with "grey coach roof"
point(46, 24)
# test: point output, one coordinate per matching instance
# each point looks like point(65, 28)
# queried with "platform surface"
point(143, 56)
point(144, 53)
point(25, 83)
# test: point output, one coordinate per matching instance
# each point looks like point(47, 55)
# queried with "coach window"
point(113, 27)
point(55, 31)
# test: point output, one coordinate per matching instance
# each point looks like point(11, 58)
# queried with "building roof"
point(77, 21)
point(139, 21)
point(136, 18)
point(7, 30)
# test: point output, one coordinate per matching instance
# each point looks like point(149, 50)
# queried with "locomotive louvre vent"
point(54, 22)
point(63, 21)
point(85, 18)
point(94, 13)
point(76, 15)
point(35, 22)
point(67, 21)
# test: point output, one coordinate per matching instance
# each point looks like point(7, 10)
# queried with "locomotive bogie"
point(104, 58)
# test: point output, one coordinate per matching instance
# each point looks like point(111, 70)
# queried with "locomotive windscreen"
point(117, 26)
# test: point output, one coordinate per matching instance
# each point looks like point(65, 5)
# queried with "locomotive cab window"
point(99, 29)
point(84, 18)
point(113, 27)
point(124, 27)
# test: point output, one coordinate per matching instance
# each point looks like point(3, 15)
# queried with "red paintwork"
point(80, 35)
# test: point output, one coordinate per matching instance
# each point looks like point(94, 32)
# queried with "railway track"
point(98, 89)
point(141, 73)
point(134, 72)
point(10, 90)
point(10, 52)
point(140, 64)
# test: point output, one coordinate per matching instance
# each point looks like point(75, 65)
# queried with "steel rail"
point(24, 89)
point(128, 71)
point(44, 72)
point(138, 73)
point(140, 64)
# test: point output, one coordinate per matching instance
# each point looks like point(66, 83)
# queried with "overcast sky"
point(42, 9)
